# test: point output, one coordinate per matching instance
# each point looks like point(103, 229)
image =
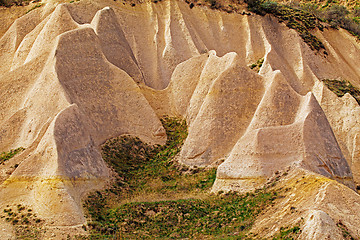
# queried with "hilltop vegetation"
point(302, 16)
point(332, 12)
point(308, 16)
point(9, 3)
point(341, 87)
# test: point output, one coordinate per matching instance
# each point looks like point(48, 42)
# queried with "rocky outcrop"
point(320, 207)
point(75, 75)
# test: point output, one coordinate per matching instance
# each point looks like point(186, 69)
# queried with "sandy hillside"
point(74, 75)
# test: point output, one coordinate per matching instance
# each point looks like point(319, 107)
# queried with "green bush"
point(9, 3)
point(341, 87)
point(269, 6)
point(300, 20)
point(4, 156)
point(335, 15)
point(34, 7)
point(304, 18)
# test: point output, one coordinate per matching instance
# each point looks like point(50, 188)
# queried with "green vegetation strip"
point(288, 233)
point(302, 21)
point(345, 231)
point(26, 224)
point(154, 197)
point(306, 17)
point(9, 3)
point(34, 7)
point(4, 156)
point(216, 216)
point(341, 87)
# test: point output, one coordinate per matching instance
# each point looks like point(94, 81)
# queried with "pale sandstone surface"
point(74, 75)
point(314, 203)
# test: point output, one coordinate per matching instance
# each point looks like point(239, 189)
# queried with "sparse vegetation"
point(4, 156)
point(339, 16)
point(154, 197)
point(288, 233)
point(9, 3)
point(305, 17)
point(344, 231)
point(298, 19)
point(256, 66)
point(341, 87)
point(34, 7)
point(214, 216)
point(27, 225)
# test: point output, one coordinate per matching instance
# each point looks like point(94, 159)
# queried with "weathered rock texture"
point(74, 75)
point(316, 204)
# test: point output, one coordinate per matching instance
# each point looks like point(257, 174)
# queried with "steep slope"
point(323, 208)
point(75, 75)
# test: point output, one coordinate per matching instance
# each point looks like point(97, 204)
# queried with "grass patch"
point(345, 231)
point(154, 197)
point(215, 216)
point(9, 3)
point(256, 66)
point(298, 19)
point(4, 156)
point(341, 87)
point(34, 7)
point(310, 15)
point(26, 224)
point(288, 233)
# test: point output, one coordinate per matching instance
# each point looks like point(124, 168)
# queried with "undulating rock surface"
point(74, 75)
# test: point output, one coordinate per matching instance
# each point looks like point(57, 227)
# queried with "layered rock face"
point(74, 75)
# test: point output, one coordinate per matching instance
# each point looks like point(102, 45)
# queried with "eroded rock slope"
point(74, 75)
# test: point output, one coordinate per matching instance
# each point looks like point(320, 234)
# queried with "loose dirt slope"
point(74, 75)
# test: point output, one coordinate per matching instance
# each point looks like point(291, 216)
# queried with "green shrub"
point(341, 87)
point(304, 18)
point(288, 233)
point(9, 3)
point(269, 6)
point(256, 66)
point(300, 20)
point(4, 156)
point(339, 16)
point(26, 225)
point(34, 7)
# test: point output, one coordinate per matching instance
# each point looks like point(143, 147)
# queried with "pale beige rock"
point(11, 40)
point(114, 44)
point(318, 225)
point(59, 22)
point(62, 113)
point(344, 117)
point(68, 82)
point(282, 133)
point(220, 109)
point(307, 194)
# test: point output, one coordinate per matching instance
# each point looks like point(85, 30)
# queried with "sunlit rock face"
point(74, 75)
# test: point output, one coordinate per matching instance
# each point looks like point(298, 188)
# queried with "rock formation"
point(74, 75)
